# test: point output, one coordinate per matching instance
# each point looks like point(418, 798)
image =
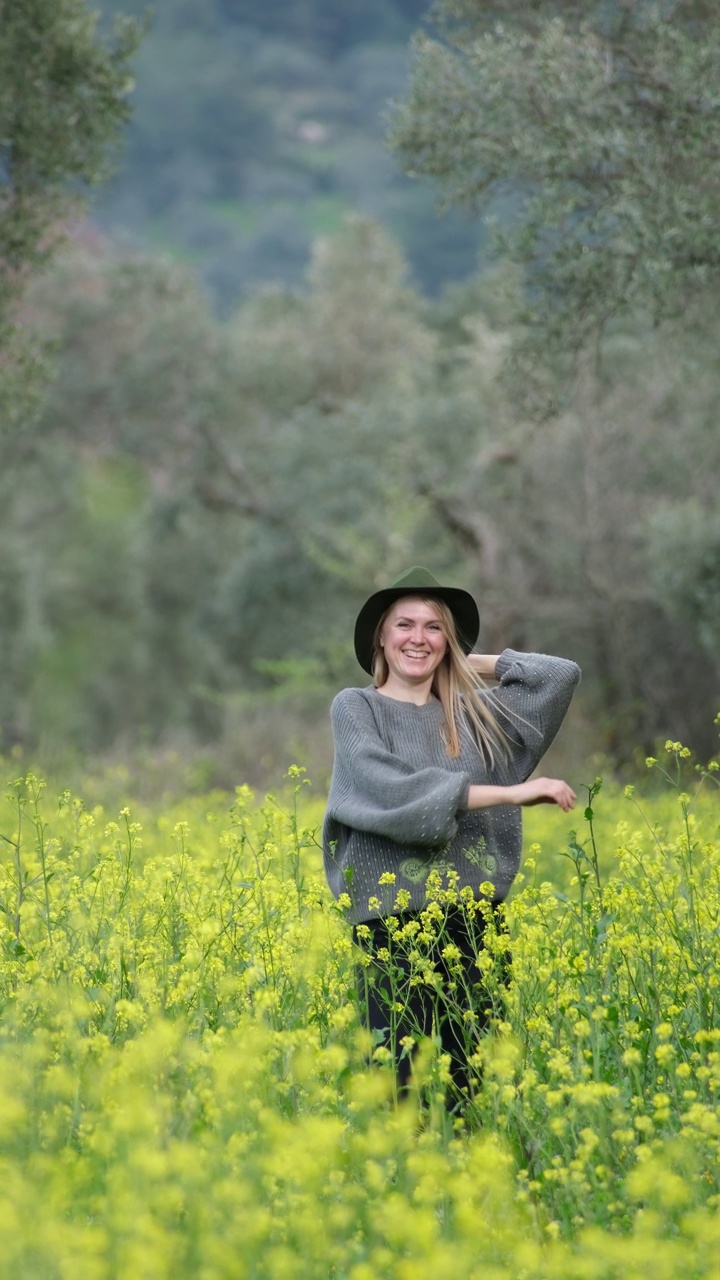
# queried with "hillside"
point(257, 127)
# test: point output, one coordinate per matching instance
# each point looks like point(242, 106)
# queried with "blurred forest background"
point(263, 376)
point(257, 126)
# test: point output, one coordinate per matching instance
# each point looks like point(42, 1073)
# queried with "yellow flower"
point(644, 1124)
point(664, 1054)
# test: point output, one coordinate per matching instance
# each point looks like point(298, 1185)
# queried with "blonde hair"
point(456, 685)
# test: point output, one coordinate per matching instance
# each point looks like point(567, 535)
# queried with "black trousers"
point(456, 1010)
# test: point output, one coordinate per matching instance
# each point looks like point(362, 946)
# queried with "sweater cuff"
point(504, 662)
point(463, 803)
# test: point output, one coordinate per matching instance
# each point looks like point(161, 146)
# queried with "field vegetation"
point(187, 1089)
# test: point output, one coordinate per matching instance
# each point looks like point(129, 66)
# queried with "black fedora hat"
point(415, 582)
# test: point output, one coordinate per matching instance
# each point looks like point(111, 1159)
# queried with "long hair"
point(457, 686)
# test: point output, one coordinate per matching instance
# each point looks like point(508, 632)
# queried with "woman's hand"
point(483, 664)
point(544, 791)
point(536, 791)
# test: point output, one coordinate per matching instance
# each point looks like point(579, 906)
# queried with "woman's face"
point(413, 640)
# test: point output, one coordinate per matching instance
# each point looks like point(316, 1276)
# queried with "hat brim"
point(460, 603)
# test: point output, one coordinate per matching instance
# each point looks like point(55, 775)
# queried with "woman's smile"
point(416, 656)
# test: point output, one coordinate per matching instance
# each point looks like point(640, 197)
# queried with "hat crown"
point(417, 577)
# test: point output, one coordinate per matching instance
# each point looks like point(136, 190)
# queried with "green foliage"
point(203, 505)
point(63, 100)
point(186, 1086)
point(603, 117)
point(684, 551)
point(164, 476)
point(63, 96)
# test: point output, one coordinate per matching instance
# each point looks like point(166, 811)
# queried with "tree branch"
point(244, 498)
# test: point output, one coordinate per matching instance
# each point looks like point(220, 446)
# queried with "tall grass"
point(184, 1078)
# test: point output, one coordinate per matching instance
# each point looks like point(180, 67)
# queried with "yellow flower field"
point(184, 1082)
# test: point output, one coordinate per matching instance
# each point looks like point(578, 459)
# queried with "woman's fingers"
point(548, 791)
point(564, 795)
point(560, 793)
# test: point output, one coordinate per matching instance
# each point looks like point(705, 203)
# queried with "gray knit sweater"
point(398, 802)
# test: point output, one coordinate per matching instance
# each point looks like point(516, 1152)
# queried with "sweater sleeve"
point(531, 702)
point(375, 791)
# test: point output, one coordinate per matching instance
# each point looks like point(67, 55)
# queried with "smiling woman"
point(431, 769)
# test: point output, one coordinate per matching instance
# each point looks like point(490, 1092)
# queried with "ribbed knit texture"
point(397, 801)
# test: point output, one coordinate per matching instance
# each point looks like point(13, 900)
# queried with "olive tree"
point(598, 122)
point(63, 99)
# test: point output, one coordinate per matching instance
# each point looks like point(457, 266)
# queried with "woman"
point(431, 770)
